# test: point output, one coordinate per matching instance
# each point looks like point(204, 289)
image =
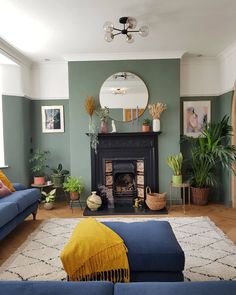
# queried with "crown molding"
point(125, 56)
point(12, 53)
point(49, 98)
point(227, 52)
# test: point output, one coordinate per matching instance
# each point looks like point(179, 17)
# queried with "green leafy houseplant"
point(74, 186)
point(38, 165)
point(175, 163)
point(49, 199)
point(58, 175)
point(147, 123)
point(212, 149)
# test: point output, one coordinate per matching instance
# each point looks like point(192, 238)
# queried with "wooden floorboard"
point(224, 218)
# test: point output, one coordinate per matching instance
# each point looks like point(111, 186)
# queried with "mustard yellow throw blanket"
point(95, 252)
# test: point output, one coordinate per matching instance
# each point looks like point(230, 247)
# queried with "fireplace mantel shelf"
point(117, 134)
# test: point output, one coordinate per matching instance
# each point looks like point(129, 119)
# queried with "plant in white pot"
point(175, 163)
point(155, 111)
point(74, 186)
point(49, 199)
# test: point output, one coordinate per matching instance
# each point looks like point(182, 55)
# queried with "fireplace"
point(125, 163)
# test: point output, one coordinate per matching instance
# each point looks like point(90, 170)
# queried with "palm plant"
point(212, 149)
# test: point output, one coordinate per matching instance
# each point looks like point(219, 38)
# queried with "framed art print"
point(52, 119)
point(196, 114)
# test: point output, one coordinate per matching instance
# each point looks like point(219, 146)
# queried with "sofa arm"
point(19, 186)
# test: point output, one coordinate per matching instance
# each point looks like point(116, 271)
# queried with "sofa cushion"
point(23, 198)
point(4, 190)
point(152, 245)
point(58, 288)
point(7, 212)
point(19, 186)
point(183, 288)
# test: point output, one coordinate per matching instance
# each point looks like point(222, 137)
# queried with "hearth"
point(125, 163)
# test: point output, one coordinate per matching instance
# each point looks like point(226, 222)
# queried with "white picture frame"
point(52, 119)
point(196, 114)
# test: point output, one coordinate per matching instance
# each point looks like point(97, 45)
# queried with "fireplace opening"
point(124, 182)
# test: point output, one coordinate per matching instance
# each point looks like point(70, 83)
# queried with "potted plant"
point(74, 186)
point(58, 176)
point(103, 114)
point(38, 165)
point(146, 125)
point(210, 150)
point(175, 163)
point(49, 199)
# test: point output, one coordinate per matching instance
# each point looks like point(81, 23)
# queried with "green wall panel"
point(57, 143)
point(162, 78)
point(17, 133)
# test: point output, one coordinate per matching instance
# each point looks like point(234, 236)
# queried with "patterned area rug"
point(209, 254)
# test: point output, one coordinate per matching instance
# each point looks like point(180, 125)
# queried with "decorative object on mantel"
point(146, 125)
point(94, 202)
point(155, 201)
point(103, 114)
point(175, 164)
point(93, 131)
point(155, 111)
point(129, 25)
point(113, 126)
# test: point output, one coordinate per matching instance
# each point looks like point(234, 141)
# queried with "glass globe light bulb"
point(108, 27)
point(132, 23)
point(129, 38)
point(109, 36)
point(143, 31)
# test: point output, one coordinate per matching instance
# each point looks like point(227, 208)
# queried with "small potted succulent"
point(146, 127)
point(49, 199)
point(74, 186)
point(58, 176)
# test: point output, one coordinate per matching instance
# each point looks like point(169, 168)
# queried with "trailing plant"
point(210, 150)
point(38, 162)
point(50, 196)
point(175, 163)
point(73, 184)
point(103, 114)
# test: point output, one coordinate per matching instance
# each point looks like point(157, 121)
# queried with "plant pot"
point(145, 128)
point(176, 179)
point(104, 127)
point(58, 180)
point(74, 196)
point(156, 125)
point(39, 180)
point(200, 195)
point(48, 206)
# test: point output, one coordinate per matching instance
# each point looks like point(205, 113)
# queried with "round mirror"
point(126, 96)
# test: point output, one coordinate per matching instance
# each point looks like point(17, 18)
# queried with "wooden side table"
point(183, 186)
point(41, 186)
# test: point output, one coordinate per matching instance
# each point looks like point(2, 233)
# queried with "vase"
point(94, 202)
point(104, 127)
point(156, 125)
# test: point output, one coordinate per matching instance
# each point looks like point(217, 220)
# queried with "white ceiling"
point(53, 29)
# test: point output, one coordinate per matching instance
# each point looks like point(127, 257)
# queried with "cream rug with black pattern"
point(209, 255)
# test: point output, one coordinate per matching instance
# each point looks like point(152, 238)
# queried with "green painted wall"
point(57, 143)
point(225, 107)
point(162, 78)
point(17, 133)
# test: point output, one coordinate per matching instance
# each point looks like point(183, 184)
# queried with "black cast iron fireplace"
point(126, 163)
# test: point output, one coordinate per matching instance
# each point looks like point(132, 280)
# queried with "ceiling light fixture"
point(129, 25)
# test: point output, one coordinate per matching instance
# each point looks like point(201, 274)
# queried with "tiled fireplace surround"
point(125, 163)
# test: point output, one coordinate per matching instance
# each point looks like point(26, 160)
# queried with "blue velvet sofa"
point(16, 207)
point(107, 288)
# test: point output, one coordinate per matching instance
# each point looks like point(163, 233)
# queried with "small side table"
point(41, 186)
point(183, 186)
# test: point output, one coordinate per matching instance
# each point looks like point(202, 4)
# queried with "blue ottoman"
point(153, 251)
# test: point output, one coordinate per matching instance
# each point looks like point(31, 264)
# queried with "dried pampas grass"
point(90, 105)
point(155, 110)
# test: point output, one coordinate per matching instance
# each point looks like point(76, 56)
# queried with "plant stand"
point(183, 186)
point(75, 204)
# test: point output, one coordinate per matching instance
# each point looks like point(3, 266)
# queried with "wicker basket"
point(155, 201)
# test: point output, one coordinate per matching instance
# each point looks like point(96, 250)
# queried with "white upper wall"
point(50, 80)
